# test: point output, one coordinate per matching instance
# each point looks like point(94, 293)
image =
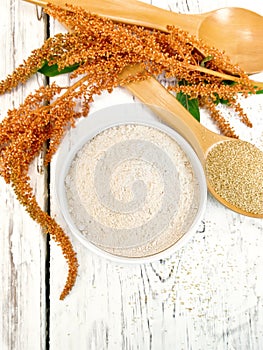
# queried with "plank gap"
point(47, 267)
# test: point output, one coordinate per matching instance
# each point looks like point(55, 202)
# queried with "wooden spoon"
point(236, 31)
point(233, 167)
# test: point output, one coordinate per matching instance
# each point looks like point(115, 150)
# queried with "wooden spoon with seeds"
point(236, 31)
point(233, 167)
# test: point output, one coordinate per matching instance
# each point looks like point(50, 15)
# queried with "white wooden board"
point(208, 295)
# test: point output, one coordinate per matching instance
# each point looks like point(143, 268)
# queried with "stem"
point(223, 75)
point(258, 84)
point(69, 90)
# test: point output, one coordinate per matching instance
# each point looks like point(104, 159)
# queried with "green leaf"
point(220, 100)
point(206, 59)
point(191, 104)
point(52, 70)
point(259, 92)
point(228, 82)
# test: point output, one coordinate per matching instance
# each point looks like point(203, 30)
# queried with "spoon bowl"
point(233, 167)
point(243, 30)
point(236, 31)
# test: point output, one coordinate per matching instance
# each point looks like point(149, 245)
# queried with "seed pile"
point(240, 185)
point(102, 49)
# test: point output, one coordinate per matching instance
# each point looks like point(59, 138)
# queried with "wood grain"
point(208, 295)
point(22, 244)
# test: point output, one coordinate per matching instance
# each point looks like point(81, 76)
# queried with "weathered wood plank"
point(22, 244)
point(209, 295)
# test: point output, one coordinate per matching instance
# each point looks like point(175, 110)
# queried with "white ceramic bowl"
point(86, 129)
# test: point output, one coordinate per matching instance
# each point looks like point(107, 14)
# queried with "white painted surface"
point(209, 295)
point(22, 245)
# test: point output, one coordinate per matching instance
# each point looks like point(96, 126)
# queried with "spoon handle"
point(132, 12)
point(170, 111)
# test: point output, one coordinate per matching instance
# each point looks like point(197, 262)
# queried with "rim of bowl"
point(89, 127)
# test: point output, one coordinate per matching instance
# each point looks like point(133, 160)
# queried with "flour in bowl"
point(132, 191)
